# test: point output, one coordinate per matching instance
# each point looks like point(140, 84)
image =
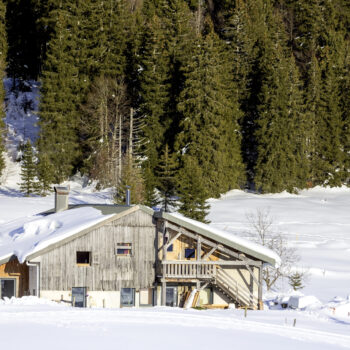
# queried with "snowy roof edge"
point(269, 256)
point(86, 230)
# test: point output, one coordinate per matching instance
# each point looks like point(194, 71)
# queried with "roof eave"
point(209, 234)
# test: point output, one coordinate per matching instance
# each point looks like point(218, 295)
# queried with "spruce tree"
point(166, 180)
point(209, 126)
point(29, 184)
point(192, 190)
point(3, 51)
point(281, 163)
point(45, 173)
point(154, 93)
point(131, 179)
point(58, 103)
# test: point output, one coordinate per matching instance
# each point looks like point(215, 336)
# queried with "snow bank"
point(28, 301)
point(29, 235)
point(302, 302)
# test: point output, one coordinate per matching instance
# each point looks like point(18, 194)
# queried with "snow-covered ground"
point(316, 222)
point(52, 326)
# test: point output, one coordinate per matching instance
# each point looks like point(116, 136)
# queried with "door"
point(7, 287)
point(79, 296)
point(171, 296)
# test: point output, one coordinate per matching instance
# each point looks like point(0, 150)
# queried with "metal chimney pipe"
point(61, 198)
point(127, 196)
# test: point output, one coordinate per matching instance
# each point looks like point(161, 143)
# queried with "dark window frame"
point(190, 253)
point(171, 248)
point(124, 249)
point(14, 285)
point(133, 297)
point(81, 258)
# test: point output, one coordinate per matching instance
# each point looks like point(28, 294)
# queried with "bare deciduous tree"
point(262, 232)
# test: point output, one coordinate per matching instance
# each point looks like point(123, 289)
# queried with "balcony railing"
point(189, 269)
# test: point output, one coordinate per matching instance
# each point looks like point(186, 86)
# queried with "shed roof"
point(229, 239)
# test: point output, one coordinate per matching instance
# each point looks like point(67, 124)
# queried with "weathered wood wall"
point(107, 272)
point(13, 269)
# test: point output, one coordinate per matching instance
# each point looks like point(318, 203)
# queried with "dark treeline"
point(186, 99)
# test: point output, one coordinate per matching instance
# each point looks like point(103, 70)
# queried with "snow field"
point(56, 326)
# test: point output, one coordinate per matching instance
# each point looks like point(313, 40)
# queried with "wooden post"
point(163, 296)
point(104, 303)
point(199, 253)
point(165, 248)
point(199, 248)
point(73, 302)
point(261, 306)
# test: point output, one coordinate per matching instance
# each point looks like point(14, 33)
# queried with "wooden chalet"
point(138, 257)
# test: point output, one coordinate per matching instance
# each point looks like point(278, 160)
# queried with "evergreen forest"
point(183, 100)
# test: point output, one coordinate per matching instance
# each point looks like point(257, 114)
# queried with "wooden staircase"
point(233, 290)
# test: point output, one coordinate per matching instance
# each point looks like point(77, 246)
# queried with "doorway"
point(7, 288)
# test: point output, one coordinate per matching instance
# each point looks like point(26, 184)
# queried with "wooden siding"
point(13, 269)
point(107, 271)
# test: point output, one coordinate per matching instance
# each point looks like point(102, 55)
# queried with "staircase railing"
point(206, 270)
point(234, 289)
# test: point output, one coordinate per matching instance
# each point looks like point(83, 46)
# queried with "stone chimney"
point(61, 198)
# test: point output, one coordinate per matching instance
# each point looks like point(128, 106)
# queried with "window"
point(124, 249)
point(7, 288)
point(171, 248)
point(190, 253)
point(83, 258)
point(127, 297)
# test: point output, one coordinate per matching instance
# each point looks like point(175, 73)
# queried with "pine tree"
point(131, 179)
point(58, 104)
point(209, 126)
point(24, 52)
point(46, 173)
point(192, 190)
point(166, 180)
point(345, 108)
point(29, 184)
point(154, 92)
point(281, 163)
point(164, 51)
point(3, 51)
point(296, 280)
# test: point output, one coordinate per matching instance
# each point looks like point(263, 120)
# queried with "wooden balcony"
point(183, 269)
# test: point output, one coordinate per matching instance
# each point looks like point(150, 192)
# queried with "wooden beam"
point(199, 248)
point(212, 250)
point(205, 285)
point(202, 262)
point(172, 240)
point(211, 244)
point(252, 274)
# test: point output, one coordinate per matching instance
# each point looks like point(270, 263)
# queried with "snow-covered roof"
point(31, 234)
point(243, 245)
point(27, 237)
